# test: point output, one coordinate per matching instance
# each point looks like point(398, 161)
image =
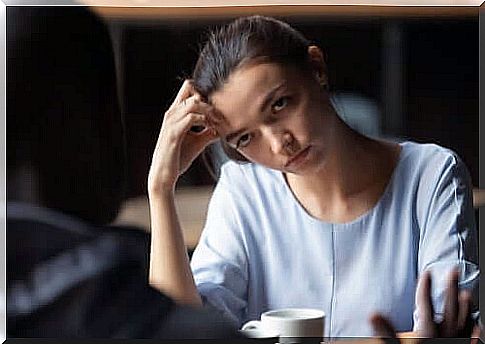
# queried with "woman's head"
point(243, 41)
point(253, 41)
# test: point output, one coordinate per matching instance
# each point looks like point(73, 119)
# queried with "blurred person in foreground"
point(69, 273)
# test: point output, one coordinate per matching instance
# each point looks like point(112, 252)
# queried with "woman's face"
point(275, 115)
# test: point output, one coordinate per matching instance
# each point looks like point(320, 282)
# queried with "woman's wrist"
point(161, 191)
point(160, 184)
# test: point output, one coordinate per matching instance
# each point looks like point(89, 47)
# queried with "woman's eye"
point(243, 141)
point(280, 104)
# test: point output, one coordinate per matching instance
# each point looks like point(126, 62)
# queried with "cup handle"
point(252, 325)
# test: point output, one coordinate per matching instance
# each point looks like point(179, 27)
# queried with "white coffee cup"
point(260, 336)
point(294, 325)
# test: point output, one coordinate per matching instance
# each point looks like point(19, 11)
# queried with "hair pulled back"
point(245, 40)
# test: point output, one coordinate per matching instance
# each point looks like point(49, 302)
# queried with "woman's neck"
point(353, 176)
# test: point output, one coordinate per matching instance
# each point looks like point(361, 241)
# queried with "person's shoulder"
point(428, 165)
point(427, 149)
point(428, 155)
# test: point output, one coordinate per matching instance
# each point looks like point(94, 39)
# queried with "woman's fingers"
point(203, 139)
point(457, 320)
point(425, 305)
point(187, 101)
point(194, 143)
point(177, 146)
point(193, 105)
point(192, 119)
point(464, 311)
point(424, 297)
point(187, 105)
point(451, 305)
point(185, 91)
point(198, 120)
point(382, 327)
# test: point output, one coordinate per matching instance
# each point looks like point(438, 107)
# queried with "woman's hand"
point(178, 146)
point(456, 321)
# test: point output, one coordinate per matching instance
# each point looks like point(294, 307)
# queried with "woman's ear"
point(319, 65)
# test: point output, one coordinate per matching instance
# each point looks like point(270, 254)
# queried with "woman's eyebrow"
point(270, 95)
point(264, 104)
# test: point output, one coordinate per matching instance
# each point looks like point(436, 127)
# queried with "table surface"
point(191, 204)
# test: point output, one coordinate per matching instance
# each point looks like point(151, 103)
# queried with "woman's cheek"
point(260, 155)
point(251, 153)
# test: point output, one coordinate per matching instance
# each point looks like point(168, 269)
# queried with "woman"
point(321, 216)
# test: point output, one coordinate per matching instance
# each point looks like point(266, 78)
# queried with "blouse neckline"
point(359, 219)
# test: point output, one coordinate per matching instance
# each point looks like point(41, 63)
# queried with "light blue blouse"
point(261, 250)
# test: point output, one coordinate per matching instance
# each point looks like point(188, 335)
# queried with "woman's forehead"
point(247, 84)
point(244, 99)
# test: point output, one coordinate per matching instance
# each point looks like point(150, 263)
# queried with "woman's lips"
point(298, 158)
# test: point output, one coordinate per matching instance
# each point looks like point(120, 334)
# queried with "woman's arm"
point(169, 263)
point(176, 149)
point(447, 236)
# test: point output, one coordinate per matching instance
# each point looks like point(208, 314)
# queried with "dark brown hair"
point(241, 41)
point(63, 117)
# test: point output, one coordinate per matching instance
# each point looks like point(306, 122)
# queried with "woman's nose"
point(280, 142)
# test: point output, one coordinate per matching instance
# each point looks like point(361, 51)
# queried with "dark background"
point(421, 71)
point(418, 65)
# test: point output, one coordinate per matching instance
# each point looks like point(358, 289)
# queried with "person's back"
point(71, 280)
point(69, 273)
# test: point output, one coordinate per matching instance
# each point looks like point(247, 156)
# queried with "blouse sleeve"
point(448, 235)
point(219, 263)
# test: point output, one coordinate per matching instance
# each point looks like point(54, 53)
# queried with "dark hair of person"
point(245, 40)
point(64, 121)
